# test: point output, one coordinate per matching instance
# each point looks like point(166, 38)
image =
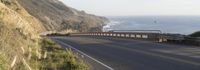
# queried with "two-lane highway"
point(107, 53)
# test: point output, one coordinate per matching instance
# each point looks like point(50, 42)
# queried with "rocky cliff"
point(55, 15)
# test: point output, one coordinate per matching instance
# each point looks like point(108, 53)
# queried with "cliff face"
point(57, 16)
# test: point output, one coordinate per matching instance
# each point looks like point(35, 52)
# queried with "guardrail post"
point(114, 34)
point(121, 35)
point(118, 35)
point(127, 35)
point(138, 36)
point(145, 36)
point(107, 34)
point(110, 34)
point(132, 35)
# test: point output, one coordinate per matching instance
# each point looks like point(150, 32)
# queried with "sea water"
point(167, 24)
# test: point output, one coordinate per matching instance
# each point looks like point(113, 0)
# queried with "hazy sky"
point(136, 7)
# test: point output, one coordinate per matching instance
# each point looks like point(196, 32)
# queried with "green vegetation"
point(58, 34)
point(58, 58)
point(7, 2)
point(191, 41)
point(186, 41)
point(3, 61)
point(195, 34)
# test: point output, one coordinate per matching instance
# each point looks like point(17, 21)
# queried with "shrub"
point(58, 34)
point(3, 62)
point(6, 2)
point(59, 58)
point(195, 34)
point(190, 41)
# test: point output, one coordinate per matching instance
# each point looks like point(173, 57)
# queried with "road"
point(107, 53)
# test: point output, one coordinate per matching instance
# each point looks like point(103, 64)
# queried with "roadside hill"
point(18, 35)
point(55, 15)
point(21, 22)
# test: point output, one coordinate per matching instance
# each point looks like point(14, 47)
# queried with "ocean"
point(167, 24)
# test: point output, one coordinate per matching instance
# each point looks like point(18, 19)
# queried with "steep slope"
point(21, 22)
point(21, 48)
point(56, 16)
point(18, 34)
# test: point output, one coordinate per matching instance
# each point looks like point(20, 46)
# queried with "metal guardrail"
point(133, 35)
point(146, 31)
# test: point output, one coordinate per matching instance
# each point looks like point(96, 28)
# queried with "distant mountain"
point(55, 15)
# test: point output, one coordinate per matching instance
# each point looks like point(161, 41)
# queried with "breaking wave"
point(109, 26)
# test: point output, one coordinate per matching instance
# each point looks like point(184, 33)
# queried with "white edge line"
point(85, 55)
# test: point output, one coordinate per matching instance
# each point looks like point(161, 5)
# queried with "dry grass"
point(59, 58)
point(20, 30)
point(15, 32)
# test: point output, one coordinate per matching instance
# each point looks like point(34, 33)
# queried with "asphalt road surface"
point(105, 53)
